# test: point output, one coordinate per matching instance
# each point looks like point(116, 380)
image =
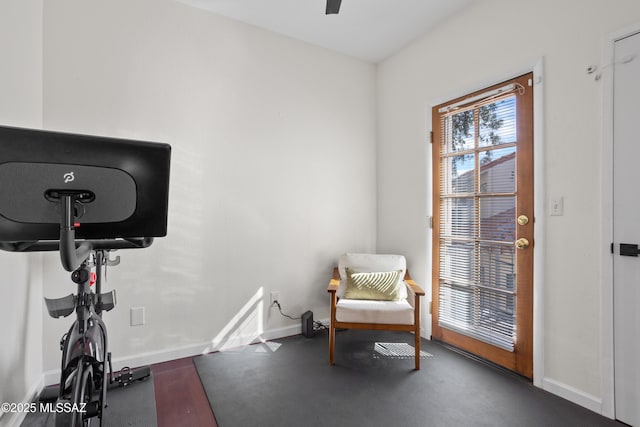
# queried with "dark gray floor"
point(134, 405)
point(288, 382)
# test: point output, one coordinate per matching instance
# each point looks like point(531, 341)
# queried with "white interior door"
point(626, 224)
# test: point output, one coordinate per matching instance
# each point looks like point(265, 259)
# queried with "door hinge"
point(430, 222)
point(611, 247)
point(431, 137)
point(430, 307)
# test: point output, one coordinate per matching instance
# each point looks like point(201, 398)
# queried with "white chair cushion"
point(368, 263)
point(370, 311)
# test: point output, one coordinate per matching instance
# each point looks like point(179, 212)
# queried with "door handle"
point(522, 243)
point(628, 249)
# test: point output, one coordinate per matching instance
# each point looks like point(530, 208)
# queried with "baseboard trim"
point(572, 394)
point(143, 359)
point(15, 419)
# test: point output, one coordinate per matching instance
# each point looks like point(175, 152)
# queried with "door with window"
point(483, 224)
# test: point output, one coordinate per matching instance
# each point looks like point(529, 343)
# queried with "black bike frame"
point(86, 343)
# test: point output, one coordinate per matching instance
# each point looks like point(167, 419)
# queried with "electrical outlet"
point(275, 296)
point(137, 316)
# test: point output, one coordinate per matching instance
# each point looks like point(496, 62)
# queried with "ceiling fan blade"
point(333, 6)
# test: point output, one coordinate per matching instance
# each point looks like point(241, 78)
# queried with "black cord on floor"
point(319, 326)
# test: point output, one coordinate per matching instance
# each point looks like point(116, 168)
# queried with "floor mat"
point(288, 382)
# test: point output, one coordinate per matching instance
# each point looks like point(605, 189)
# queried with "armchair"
point(375, 292)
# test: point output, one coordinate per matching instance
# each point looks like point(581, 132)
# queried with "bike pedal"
point(125, 377)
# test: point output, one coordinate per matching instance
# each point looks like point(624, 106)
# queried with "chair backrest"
point(367, 263)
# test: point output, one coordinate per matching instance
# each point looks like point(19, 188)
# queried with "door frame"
point(539, 200)
point(605, 73)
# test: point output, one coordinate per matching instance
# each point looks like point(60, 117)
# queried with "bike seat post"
point(100, 261)
point(71, 255)
point(82, 277)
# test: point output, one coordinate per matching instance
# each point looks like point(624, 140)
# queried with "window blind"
point(477, 202)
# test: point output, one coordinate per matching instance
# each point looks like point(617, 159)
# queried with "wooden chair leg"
point(416, 321)
point(417, 347)
point(332, 321)
point(332, 342)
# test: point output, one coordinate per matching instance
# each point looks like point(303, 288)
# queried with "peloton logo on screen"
point(68, 177)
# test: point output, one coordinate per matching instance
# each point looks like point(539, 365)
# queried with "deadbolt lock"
point(522, 243)
point(523, 220)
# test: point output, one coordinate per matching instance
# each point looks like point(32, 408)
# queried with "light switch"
point(557, 206)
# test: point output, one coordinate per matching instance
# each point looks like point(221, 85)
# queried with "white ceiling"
point(366, 29)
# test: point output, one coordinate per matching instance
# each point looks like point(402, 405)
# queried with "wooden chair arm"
point(334, 283)
point(417, 290)
point(415, 287)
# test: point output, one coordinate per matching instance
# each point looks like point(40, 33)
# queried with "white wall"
point(21, 308)
point(490, 41)
point(273, 163)
point(273, 169)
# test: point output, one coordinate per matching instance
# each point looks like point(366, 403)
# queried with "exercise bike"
point(86, 370)
point(109, 191)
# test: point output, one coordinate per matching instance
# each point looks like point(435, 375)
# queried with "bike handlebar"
point(54, 245)
point(73, 253)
